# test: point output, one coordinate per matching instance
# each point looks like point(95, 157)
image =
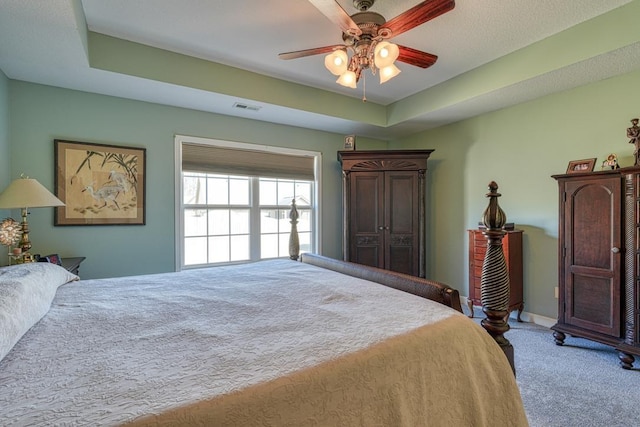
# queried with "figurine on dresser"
point(633, 133)
point(611, 162)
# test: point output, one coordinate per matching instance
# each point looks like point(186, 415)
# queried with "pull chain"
point(364, 87)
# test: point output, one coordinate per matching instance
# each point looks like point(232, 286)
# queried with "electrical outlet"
point(555, 292)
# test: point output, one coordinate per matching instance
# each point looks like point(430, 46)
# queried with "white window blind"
point(234, 161)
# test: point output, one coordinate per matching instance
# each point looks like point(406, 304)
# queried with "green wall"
point(40, 114)
point(5, 170)
point(520, 148)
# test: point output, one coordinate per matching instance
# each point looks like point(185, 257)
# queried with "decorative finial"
point(494, 217)
point(293, 213)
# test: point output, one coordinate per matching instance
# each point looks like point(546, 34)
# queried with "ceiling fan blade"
point(309, 52)
point(332, 10)
point(416, 57)
point(419, 14)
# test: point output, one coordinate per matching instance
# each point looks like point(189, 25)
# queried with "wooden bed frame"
point(429, 289)
point(494, 281)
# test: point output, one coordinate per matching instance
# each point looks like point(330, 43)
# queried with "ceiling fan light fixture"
point(385, 54)
point(366, 34)
point(388, 72)
point(348, 79)
point(337, 62)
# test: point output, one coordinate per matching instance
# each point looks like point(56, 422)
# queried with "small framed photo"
point(581, 166)
point(350, 142)
point(53, 258)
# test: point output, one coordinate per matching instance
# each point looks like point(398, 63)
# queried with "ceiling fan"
point(365, 35)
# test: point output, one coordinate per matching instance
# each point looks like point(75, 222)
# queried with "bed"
point(272, 343)
point(279, 342)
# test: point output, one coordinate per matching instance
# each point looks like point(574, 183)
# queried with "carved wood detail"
point(371, 165)
point(402, 240)
point(368, 240)
point(495, 277)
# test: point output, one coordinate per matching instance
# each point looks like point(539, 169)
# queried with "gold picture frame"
point(100, 184)
point(350, 142)
point(581, 166)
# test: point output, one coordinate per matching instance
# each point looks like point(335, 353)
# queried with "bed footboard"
point(429, 289)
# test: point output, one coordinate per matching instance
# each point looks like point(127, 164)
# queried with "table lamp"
point(25, 193)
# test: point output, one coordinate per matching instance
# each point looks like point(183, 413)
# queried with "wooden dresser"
point(598, 259)
point(384, 209)
point(512, 248)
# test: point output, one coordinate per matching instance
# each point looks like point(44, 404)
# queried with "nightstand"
point(73, 264)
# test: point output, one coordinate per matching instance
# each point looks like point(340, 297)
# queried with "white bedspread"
point(177, 348)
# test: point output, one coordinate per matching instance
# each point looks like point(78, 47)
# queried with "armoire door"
point(367, 219)
point(592, 254)
point(401, 222)
point(384, 220)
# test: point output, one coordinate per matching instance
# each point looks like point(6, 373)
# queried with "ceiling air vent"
point(247, 107)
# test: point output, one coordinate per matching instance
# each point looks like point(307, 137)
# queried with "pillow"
point(26, 293)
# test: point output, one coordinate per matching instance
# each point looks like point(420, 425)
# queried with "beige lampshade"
point(385, 54)
point(27, 193)
point(347, 79)
point(336, 62)
point(388, 72)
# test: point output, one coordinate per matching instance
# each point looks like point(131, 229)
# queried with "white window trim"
point(179, 201)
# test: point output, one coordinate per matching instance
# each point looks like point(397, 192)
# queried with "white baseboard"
point(547, 322)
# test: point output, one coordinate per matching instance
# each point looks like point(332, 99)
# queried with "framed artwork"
point(100, 184)
point(579, 166)
point(350, 142)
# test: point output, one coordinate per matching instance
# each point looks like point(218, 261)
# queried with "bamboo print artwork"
point(117, 192)
point(100, 183)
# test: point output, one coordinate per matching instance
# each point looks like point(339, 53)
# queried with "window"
point(275, 197)
point(220, 211)
point(216, 218)
point(229, 218)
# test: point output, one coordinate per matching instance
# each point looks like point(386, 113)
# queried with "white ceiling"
point(44, 42)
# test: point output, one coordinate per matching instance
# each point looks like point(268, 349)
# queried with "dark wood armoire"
point(599, 247)
point(384, 209)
